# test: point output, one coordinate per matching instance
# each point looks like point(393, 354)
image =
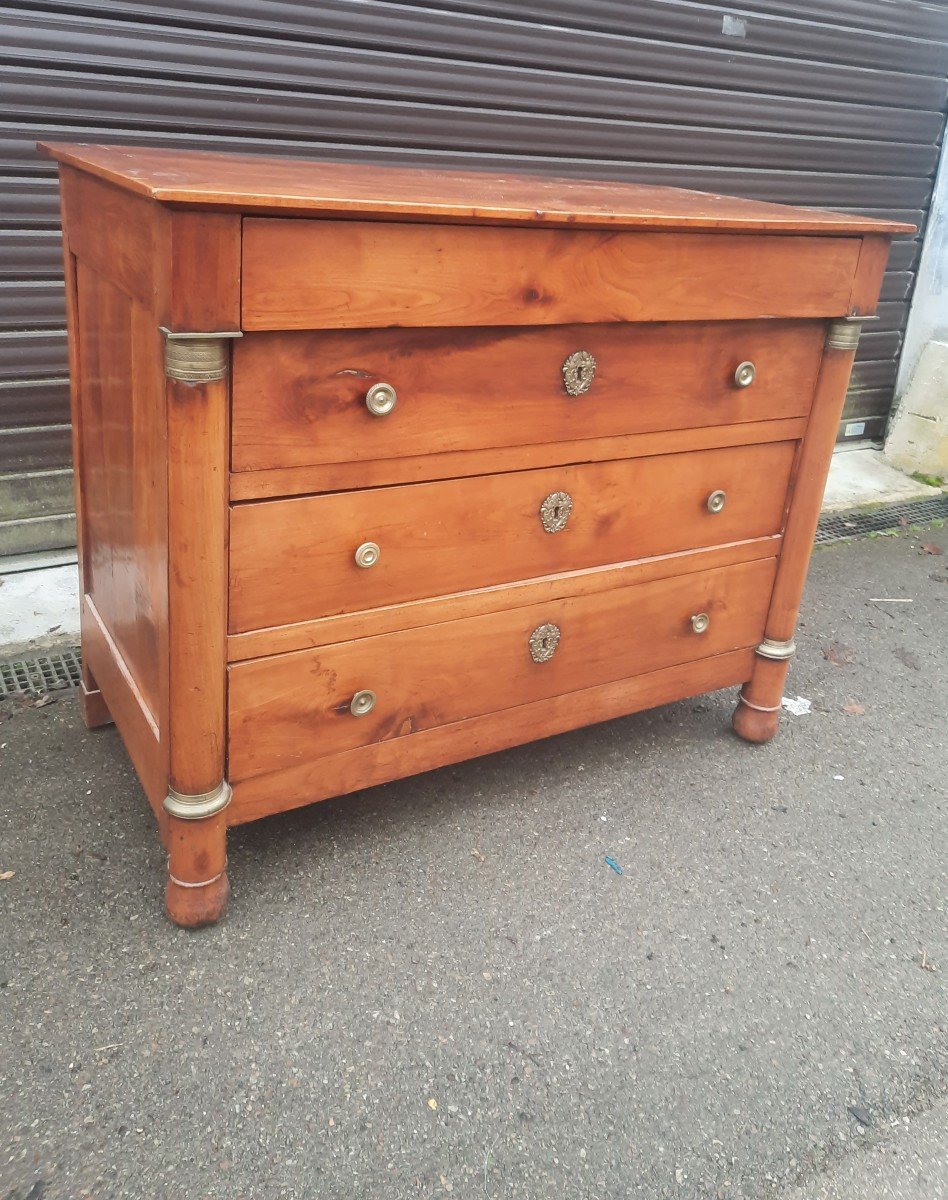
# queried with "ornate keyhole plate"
point(579, 371)
point(555, 511)
point(543, 642)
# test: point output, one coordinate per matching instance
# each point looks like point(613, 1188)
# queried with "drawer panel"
point(299, 399)
point(285, 710)
point(294, 560)
point(300, 274)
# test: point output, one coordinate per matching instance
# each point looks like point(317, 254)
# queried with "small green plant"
point(930, 480)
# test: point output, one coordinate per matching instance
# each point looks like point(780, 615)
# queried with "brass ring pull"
point(367, 555)
point(543, 642)
point(717, 501)
point(745, 374)
point(579, 371)
point(700, 622)
point(380, 399)
point(555, 511)
point(362, 703)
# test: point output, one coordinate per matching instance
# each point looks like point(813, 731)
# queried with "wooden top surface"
point(199, 179)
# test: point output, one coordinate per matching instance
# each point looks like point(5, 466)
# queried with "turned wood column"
point(756, 716)
point(197, 399)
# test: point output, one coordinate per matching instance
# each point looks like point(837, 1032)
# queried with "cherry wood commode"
point(380, 469)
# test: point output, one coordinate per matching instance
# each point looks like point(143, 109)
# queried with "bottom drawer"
point(310, 704)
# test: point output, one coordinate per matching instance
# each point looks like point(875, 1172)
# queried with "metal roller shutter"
point(836, 103)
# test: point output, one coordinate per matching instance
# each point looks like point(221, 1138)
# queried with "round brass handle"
point(700, 622)
point(362, 703)
point(367, 555)
point(555, 511)
point(716, 501)
point(745, 374)
point(543, 642)
point(380, 399)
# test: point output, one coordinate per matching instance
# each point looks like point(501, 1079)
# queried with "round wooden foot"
point(753, 725)
point(192, 907)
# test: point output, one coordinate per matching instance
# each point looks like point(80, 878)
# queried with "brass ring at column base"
point(776, 650)
point(759, 707)
point(194, 808)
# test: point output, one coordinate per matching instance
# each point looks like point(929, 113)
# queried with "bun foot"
point(197, 888)
point(753, 725)
point(192, 907)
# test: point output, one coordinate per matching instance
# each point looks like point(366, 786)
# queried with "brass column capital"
point(843, 333)
point(197, 357)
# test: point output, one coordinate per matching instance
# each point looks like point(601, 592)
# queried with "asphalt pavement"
point(441, 988)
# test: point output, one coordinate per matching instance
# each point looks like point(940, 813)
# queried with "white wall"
point(929, 314)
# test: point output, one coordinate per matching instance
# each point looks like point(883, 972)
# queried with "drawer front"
point(295, 560)
point(300, 399)
point(285, 710)
point(302, 274)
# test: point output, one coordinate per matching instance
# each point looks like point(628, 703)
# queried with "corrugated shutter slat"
point(835, 103)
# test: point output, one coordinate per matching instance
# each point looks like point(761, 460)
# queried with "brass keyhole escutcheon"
point(700, 622)
point(362, 703)
point(555, 511)
point(745, 374)
point(717, 501)
point(543, 642)
point(579, 371)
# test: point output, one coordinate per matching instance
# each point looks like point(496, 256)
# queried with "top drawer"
point(302, 274)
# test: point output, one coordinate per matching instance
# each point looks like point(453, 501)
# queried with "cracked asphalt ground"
point(439, 987)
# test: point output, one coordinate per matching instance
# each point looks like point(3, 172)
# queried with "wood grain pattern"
point(122, 465)
point(285, 709)
point(202, 288)
point(116, 234)
point(432, 610)
point(198, 436)
point(202, 296)
point(870, 272)
point(299, 398)
point(317, 779)
point(348, 274)
point(293, 560)
point(365, 473)
point(111, 241)
point(253, 184)
point(95, 710)
point(128, 706)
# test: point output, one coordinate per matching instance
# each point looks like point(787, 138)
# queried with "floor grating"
point(41, 673)
point(858, 522)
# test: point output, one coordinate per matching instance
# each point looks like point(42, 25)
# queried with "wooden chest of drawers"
point(380, 469)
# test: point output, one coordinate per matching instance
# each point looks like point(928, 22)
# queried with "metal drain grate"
point(858, 522)
point(44, 673)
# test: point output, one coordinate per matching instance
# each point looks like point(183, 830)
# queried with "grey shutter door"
point(835, 103)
